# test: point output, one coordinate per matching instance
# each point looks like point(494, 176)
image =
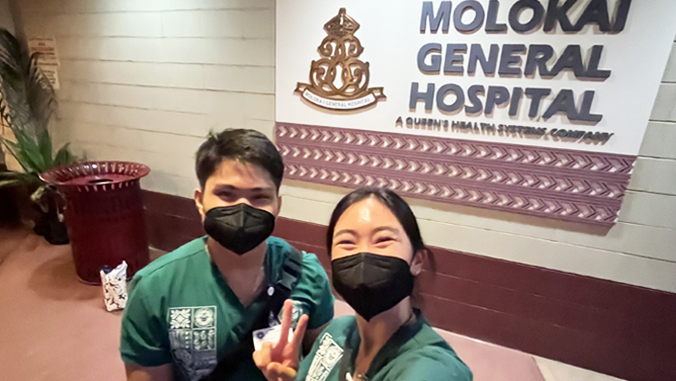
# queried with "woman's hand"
point(279, 362)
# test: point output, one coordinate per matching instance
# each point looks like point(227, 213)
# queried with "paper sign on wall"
point(48, 57)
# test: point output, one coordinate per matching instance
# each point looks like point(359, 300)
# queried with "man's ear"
point(419, 258)
point(198, 202)
point(279, 205)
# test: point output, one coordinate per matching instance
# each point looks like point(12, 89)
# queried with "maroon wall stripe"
point(611, 355)
point(609, 327)
point(564, 184)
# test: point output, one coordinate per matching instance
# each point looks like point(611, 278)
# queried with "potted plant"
point(9, 210)
point(27, 105)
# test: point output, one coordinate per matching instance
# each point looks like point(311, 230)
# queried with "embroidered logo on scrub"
point(327, 356)
point(192, 336)
point(297, 311)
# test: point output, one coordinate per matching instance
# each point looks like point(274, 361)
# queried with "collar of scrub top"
point(388, 352)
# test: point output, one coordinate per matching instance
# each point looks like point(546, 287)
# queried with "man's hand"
point(279, 362)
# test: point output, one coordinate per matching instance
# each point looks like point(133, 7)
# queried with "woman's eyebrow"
point(385, 228)
point(345, 231)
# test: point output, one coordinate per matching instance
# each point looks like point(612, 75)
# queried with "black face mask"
point(370, 283)
point(239, 228)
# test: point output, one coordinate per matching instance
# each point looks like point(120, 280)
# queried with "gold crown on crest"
point(341, 25)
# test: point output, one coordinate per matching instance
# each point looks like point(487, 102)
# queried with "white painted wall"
point(146, 80)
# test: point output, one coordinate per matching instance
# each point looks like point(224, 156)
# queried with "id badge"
point(268, 335)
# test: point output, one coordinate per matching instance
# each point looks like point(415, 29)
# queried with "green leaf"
point(45, 148)
point(28, 151)
point(63, 156)
point(11, 178)
point(13, 150)
point(9, 183)
point(41, 97)
point(27, 104)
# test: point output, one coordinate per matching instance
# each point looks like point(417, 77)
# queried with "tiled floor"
point(54, 328)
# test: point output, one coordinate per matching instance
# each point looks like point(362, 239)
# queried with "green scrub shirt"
point(182, 312)
point(414, 353)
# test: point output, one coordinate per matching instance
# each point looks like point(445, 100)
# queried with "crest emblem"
point(339, 79)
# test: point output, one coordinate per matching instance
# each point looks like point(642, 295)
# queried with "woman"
point(376, 251)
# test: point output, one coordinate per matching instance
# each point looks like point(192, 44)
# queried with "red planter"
point(104, 215)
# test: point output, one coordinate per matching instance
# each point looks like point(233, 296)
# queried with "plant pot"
point(10, 212)
point(16, 207)
point(50, 226)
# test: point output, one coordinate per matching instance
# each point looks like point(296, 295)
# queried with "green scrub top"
point(181, 310)
point(414, 353)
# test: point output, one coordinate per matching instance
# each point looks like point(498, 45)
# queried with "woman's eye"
point(384, 239)
point(345, 242)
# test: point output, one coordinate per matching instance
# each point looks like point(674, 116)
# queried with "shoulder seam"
point(173, 260)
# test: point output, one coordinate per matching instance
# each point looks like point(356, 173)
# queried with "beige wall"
point(146, 80)
point(6, 16)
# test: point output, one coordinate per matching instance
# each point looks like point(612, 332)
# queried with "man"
point(194, 308)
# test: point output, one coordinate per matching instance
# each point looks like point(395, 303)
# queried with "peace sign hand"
point(279, 362)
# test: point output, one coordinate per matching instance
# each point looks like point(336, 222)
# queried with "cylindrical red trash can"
point(104, 215)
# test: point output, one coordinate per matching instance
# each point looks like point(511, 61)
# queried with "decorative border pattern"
point(547, 182)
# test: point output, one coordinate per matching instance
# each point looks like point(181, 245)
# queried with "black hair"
point(246, 146)
point(392, 201)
